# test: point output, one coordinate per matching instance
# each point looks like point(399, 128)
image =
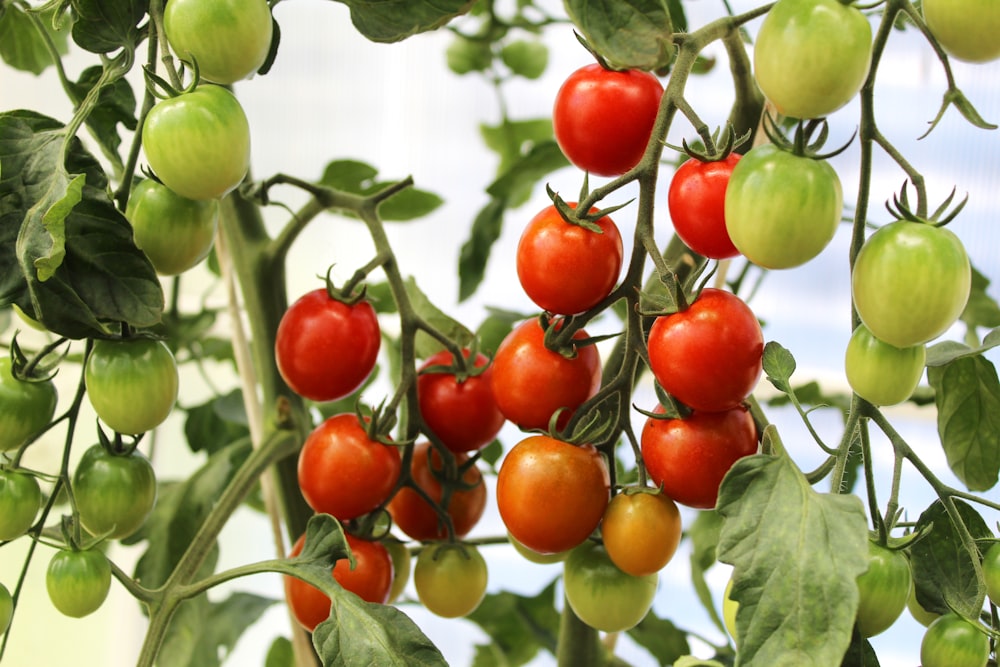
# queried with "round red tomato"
point(697, 202)
point(417, 518)
point(461, 412)
point(552, 494)
point(566, 268)
point(531, 382)
point(325, 349)
point(370, 580)
point(603, 118)
point(343, 472)
point(689, 457)
point(709, 356)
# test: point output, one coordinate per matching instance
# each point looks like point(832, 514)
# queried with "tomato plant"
point(641, 531)
point(967, 30)
point(602, 595)
point(881, 373)
point(26, 406)
point(567, 268)
point(450, 580)
point(552, 494)
point(952, 641)
point(325, 349)
point(884, 589)
point(132, 383)
point(343, 472)
point(78, 581)
point(603, 118)
point(696, 200)
point(114, 493)
point(20, 500)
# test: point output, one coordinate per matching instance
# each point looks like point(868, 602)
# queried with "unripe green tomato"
point(20, 500)
point(967, 29)
point(601, 595)
point(402, 563)
point(466, 55)
point(114, 493)
point(917, 611)
point(952, 641)
point(526, 58)
point(25, 407)
point(175, 232)
point(883, 590)
point(132, 383)
point(450, 580)
point(881, 373)
point(533, 556)
point(729, 609)
point(78, 581)
point(991, 572)
point(6, 608)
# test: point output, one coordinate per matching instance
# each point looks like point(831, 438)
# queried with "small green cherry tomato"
point(917, 610)
point(601, 595)
point(6, 608)
point(26, 407)
point(952, 641)
point(402, 563)
point(20, 500)
point(132, 383)
point(114, 493)
point(881, 373)
point(78, 581)
point(884, 589)
point(175, 232)
point(450, 580)
point(991, 572)
point(967, 29)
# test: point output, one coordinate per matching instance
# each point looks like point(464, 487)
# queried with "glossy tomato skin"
point(78, 581)
point(603, 119)
point(343, 472)
point(450, 580)
point(418, 519)
point(176, 233)
point(371, 580)
point(531, 382)
point(565, 268)
point(709, 356)
point(910, 282)
point(26, 407)
point(198, 143)
point(782, 209)
point(641, 531)
point(20, 500)
point(132, 383)
point(6, 608)
point(952, 641)
point(884, 589)
point(326, 349)
point(965, 29)
point(229, 39)
point(601, 595)
point(552, 494)
point(696, 199)
point(114, 493)
point(881, 373)
point(689, 457)
point(811, 57)
point(462, 414)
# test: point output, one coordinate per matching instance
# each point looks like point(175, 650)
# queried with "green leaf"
point(450, 327)
point(794, 550)
point(947, 351)
point(216, 423)
point(518, 627)
point(395, 20)
point(981, 310)
point(360, 178)
point(104, 26)
point(115, 105)
point(517, 182)
point(475, 252)
point(513, 139)
point(779, 365)
point(281, 653)
point(495, 328)
point(203, 633)
point(691, 661)
point(525, 58)
point(967, 394)
point(466, 55)
point(627, 33)
point(860, 653)
point(21, 45)
point(661, 638)
point(944, 573)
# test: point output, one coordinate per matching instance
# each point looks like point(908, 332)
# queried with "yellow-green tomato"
point(175, 232)
point(20, 500)
point(881, 373)
point(450, 579)
point(991, 572)
point(533, 556)
point(132, 383)
point(883, 590)
point(601, 595)
point(26, 407)
point(917, 610)
point(729, 609)
point(6, 608)
point(401, 566)
point(967, 29)
point(78, 581)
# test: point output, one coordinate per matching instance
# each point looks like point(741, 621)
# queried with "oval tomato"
point(601, 595)
point(884, 589)
point(566, 268)
point(6, 608)
point(603, 118)
point(696, 200)
point(20, 500)
point(709, 356)
point(26, 407)
point(910, 282)
point(641, 531)
point(229, 39)
point(176, 233)
point(782, 209)
point(811, 57)
point(78, 581)
point(113, 493)
point(531, 382)
point(966, 29)
point(952, 641)
point(450, 579)
point(371, 580)
point(198, 143)
point(881, 373)
point(417, 518)
point(461, 412)
point(132, 383)
point(325, 349)
point(343, 472)
point(689, 457)
point(552, 494)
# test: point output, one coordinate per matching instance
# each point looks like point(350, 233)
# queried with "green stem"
point(579, 644)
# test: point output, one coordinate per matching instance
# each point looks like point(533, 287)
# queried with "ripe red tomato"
point(689, 457)
point(417, 518)
point(370, 580)
point(552, 494)
point(565, 268)
point(324, 348)
point(709, 356)
point(641, 531)
point(697, 202)
point(343, 472)
point(460, 412)
point(603, 118)
point(531, 382)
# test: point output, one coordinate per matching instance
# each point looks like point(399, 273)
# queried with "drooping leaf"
point(516, 184)
point(513, 138)
point(105, 26)
point(779, 365)
point(360, 178)
point(280, 654)
point(22, 46)
point(627, 33)
point(203, 633)
point(793, 550)
point(664, 640)
point(518, 627)
point(475, 252)
point(455, 330)
point(395, 20)
point(216, 423)
point(947, 351)
point(981, 310)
